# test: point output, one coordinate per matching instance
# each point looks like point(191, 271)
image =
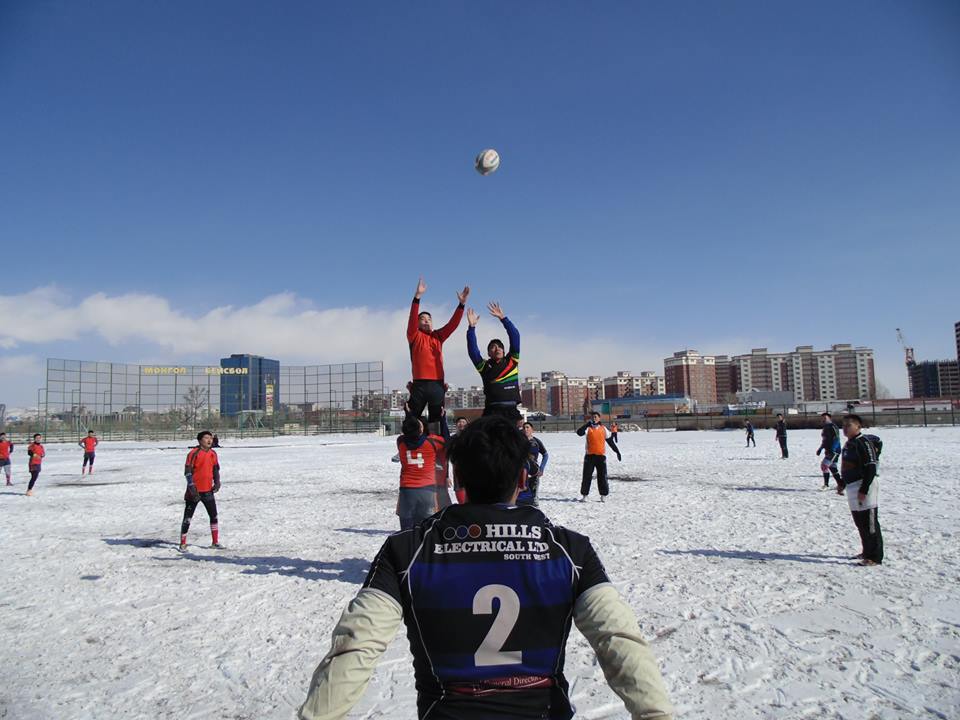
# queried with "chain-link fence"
point(150, 402)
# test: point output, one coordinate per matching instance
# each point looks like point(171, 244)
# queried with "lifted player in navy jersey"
point(487, 592)
point(500, 370)
point(830, 447)
point(535, 468)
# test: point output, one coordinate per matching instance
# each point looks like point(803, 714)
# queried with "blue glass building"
point(249, 382)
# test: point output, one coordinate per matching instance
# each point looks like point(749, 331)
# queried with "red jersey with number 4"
point(90, 444)
point(36, 453)
point(418, 465)
point(203, 463)
point(5, 447)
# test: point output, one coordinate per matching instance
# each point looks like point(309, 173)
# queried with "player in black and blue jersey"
point(500, 370)
point(488, 591)
point(830, 447)
point(536, 465)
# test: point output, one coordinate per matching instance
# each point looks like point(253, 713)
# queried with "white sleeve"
point(610, 626)
point(365, 630)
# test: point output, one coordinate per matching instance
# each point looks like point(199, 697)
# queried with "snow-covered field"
point(735, 562)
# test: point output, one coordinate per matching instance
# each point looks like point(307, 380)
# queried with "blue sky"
point(704, 175)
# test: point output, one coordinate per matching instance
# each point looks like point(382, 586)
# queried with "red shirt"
point(418, 466)
point(426, 349)
point(36, 453)
point(5, 447)
point(89, 444)
point(205, 465)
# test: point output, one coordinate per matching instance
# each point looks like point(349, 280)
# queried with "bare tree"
point(194, 400)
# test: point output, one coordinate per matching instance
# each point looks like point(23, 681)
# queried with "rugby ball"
point(487, 161)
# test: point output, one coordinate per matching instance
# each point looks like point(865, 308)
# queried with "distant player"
point(830, 447)
point(202, 471)
point(596, 456)
point(781, 437)
point(426, 355)
point(420, 453)
point(6, 449)
point(488, 593)
point(89, 445)
point(500, 370)
point(36, 454)
point(536, 465)
point(750, 436)
point(460, 426)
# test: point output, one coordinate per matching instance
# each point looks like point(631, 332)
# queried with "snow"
point(734, 560)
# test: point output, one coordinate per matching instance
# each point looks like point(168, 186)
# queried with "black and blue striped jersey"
point(487, 593)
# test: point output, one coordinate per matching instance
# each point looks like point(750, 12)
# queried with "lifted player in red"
point(89, 445)
point(426, 354)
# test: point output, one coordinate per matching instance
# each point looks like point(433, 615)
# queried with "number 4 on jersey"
point(418, 460)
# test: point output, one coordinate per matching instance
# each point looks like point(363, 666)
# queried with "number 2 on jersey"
point(490, 651)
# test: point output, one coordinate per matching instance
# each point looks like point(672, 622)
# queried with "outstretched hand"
point(472, 317)
point(495, 310)
point(462, 296)
point(421, 288)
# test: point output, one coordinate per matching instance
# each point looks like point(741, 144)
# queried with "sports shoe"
point(867, 563)
point(9, 483)
point(29, 492)
point(395, 458)
point(858, 556)
point(182, 547)
point(583, 498)
point(603, 499)
point(216, 546)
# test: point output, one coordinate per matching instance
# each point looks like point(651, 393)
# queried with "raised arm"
point(447, 330)
point(610, 627)
point(512, 333)
point(582, 430)
point(365, 630)
point(472, 350)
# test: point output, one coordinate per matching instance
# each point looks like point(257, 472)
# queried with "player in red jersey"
point(36, 453)
point(426, 354)
point(6, 448)
point(89, 445)
point(420, 454)
point(202, 471)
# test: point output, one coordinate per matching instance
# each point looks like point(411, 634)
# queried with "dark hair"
point(424, 313)
point(36, 435)
point(527, 422)
point(856, 418)
point(90, 432)
point(594, 412)
point(202, 433)
point(458, 419)
point(779, 414)
point(411, 428)
point(2, 433)
point(495, 341)
point(487, 459)
point(826, 414)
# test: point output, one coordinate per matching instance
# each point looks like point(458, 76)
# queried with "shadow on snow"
point(761, 556)
point(366, 531)
point(349, 570)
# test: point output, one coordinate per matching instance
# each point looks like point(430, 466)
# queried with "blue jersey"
point(487, 593)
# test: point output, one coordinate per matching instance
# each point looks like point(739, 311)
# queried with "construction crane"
point(907, 350)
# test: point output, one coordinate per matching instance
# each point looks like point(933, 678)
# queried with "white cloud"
point(291, 329)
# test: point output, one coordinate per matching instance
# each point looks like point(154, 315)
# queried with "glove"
point(192, 494)
point(819, 450)
point(216, 485)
